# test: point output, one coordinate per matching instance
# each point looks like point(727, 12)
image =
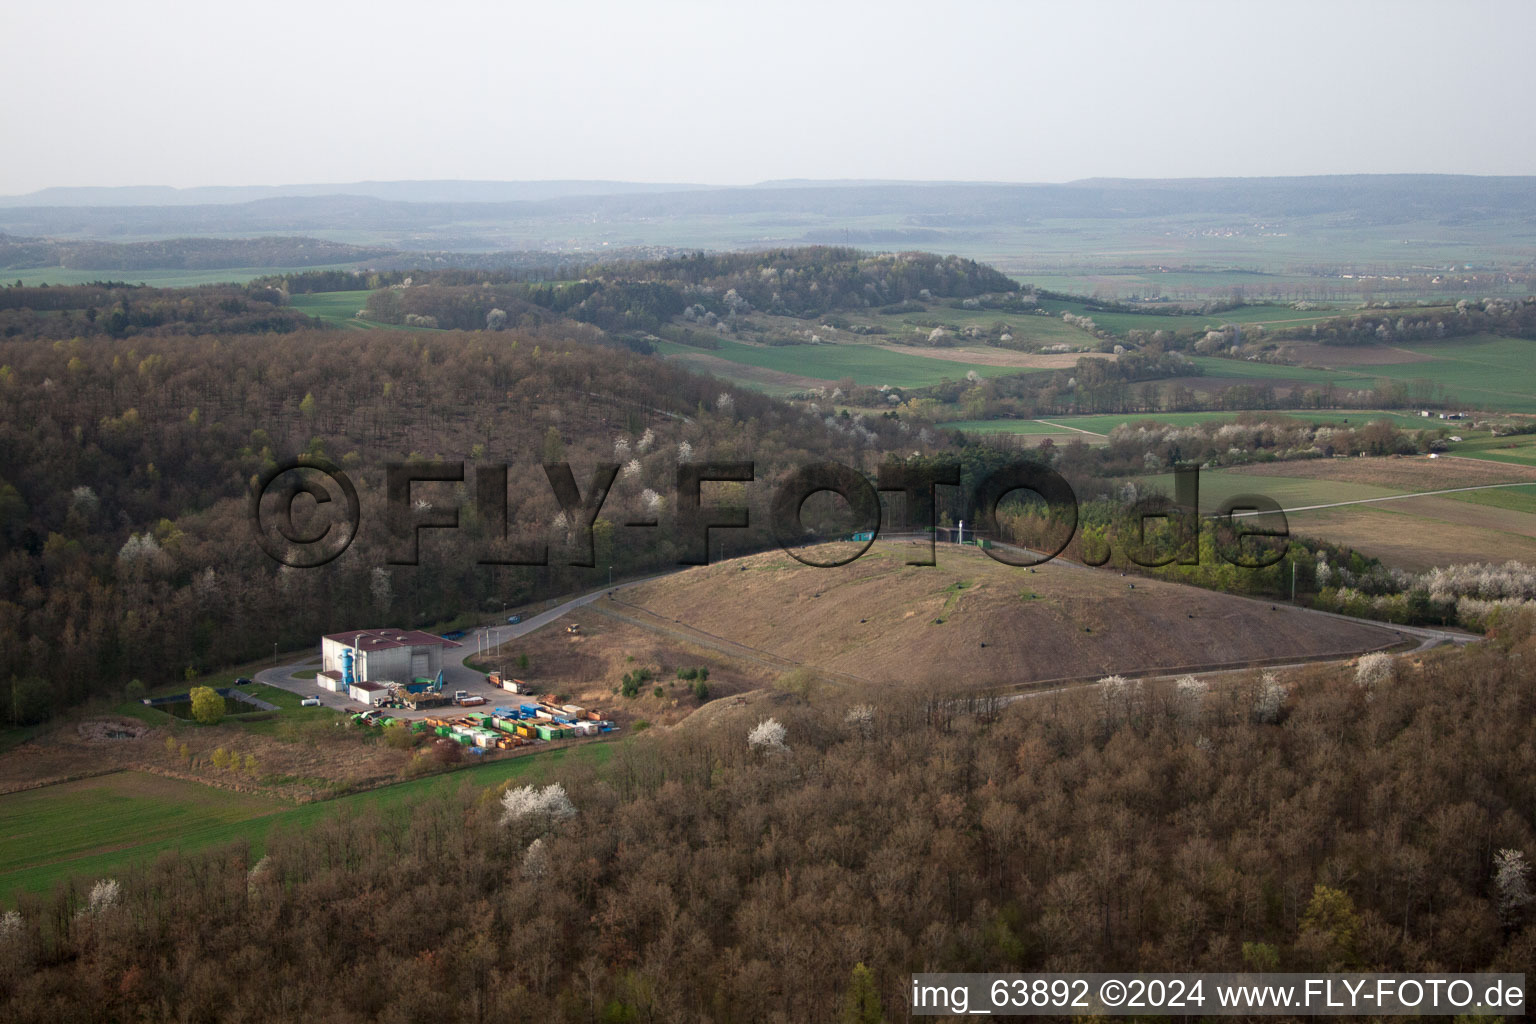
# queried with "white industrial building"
point(380, 656)
point(369, 693)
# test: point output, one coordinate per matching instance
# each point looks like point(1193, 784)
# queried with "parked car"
point(242, 681)
point(310, 702)
point(514, 619)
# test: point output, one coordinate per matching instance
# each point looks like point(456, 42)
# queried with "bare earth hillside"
point(974, 620)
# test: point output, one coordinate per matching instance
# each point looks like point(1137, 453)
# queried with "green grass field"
point(869, 365)
point(1478, 372)
point(1119, 323)
point(1515, 499)
point(95, 827)
point(1520, 450)
point(1215, 368)
point(1103, 424)
point(339, 308)
point(1289, 492)
point(1482, 371)
point(50, 832)
point(1003, 427)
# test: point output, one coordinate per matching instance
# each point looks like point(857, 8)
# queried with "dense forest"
point(640, 296)
point(117, 310)
point(800, 869)
point(125, 467)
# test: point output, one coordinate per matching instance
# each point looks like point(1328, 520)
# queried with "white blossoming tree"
point(523, 802)
point(1269, 699)
point(1373, 670)
point(1189, 695)
point(536, 860)
point(379, 586)
point(1512, 885)
point(767, 736)
point(104, 895)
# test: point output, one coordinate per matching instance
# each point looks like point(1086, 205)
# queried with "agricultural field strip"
point(1389, 497)
point(121, 842)
point(1080, 430)
point(869, 365)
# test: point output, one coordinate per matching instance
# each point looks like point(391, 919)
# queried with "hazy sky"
point(211, 93)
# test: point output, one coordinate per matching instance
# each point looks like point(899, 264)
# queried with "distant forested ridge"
point(179, 253)
point(1354, 200)
point(643, 295)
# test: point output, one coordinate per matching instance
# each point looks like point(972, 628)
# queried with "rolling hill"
point(880, 620)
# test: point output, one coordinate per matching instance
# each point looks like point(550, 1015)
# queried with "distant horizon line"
point(630, 185)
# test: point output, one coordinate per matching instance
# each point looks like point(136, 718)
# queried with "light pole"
point(610, 575)
point(274, 654)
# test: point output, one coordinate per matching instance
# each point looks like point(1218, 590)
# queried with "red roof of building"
point(368, 687)
point(383, 639)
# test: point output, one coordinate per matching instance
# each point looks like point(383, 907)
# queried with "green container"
point(443, 730)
